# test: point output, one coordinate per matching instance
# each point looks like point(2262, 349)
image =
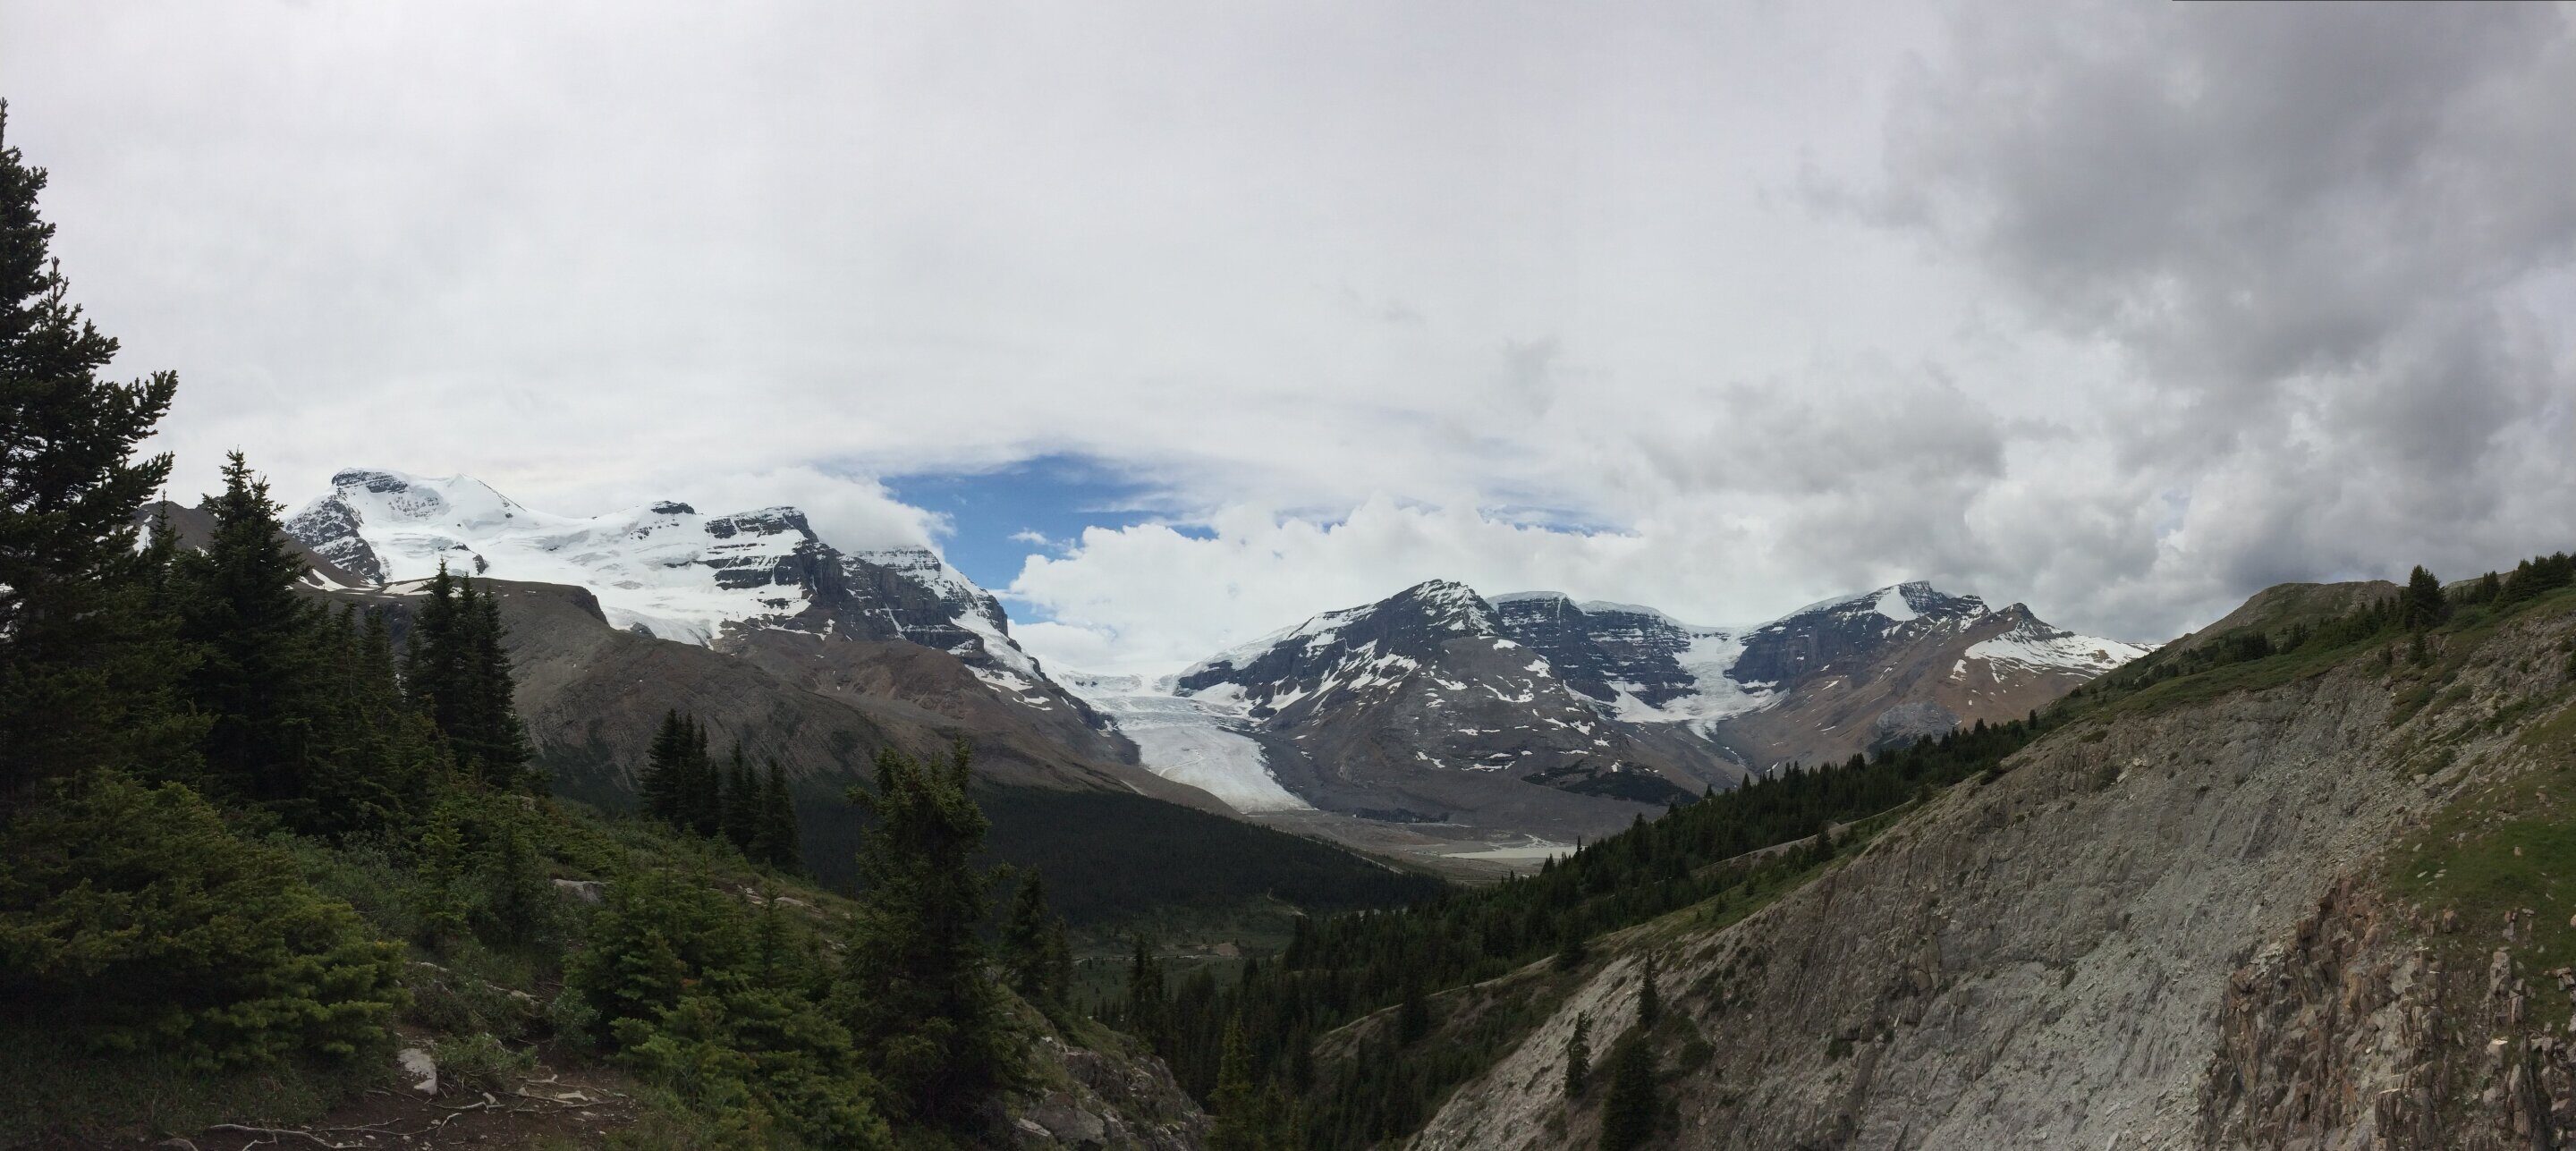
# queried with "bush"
point(481, 1062)
point(132, 913)
point(712, 1009)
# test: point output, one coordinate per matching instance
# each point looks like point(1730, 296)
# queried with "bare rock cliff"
point(2159, 927)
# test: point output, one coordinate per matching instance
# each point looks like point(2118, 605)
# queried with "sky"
point(1177, 323)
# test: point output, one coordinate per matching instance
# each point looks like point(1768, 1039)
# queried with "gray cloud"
point(2124, 311)
point(2318, 238)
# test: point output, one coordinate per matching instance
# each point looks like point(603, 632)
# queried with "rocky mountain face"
point(1893, 665)
point(2323, 908)
point(753, 584)
point(1422, 707)
point(1534, 713)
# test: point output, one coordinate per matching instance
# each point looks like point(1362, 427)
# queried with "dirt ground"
point(579, 1107)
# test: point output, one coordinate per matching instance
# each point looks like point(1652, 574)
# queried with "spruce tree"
point(1628, 1116)
point(1650, 1003)
point(741, 802)
point(1239, 1125)
point(1578, 1057)
point(1571, 951)
point(1028, 947)
point(916, 995)
point(2423, 602)
point(259, 669)
point(84, 671)
point(1412, 1015)
point(434, 663)
point(774, 841)
point(494, 737)
point(705, 811)
point(1143, 1015)
point(365, 772)
point(665, 780)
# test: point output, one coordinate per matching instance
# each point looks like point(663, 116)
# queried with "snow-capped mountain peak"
point(1440, 701)
point(663, 568)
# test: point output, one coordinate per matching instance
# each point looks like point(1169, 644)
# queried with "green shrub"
point(654, 936)
point(713, 1009)
point(481, 1062)
point(134, 914)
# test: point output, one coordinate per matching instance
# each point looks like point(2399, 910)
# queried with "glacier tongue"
point(1197, 740)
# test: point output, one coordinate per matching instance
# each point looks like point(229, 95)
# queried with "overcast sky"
point(2122, 310)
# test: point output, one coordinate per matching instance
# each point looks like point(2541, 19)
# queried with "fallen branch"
point(274, 1133)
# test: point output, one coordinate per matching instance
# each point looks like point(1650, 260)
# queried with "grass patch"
point(2504, 848)
point(2291, 667)
point(52, 1090)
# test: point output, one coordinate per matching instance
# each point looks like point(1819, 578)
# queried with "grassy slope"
point(2506, 844)
point(53, 1092)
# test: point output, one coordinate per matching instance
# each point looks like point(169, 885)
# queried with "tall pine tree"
point(494, 740)
point(916, 996)
point(2423, 604)
point(1032, 944)
point(741, 802)
point(1628, 1117)
point(1240, 1122)
point(1578, 1057)
point(434, 654)
point(84, 672)
point(705, 811)
point(665, 783)
point(774, 840)
point(259, 667)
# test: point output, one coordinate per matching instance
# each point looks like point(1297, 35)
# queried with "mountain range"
point(1534, 713)
point(1437, 711)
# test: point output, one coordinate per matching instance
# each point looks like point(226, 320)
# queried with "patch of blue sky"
point(1038, 506)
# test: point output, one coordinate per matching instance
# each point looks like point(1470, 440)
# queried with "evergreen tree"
point(741, 802)
point(1143, 1015)
point(441, 863)
point(917, 999)
point(2422, 604)
point(84, 670)
point(1578, 1057)
point(1030, 943)
point(705, 811)
point(774, 841)
point(133, 918)
point(666, 767)
point(1239, 1122)
point(516, 904)
point(258, 673)
point(1572, 951)
point(434, 655)
point(1650, 1003)
point(493, 739)
point(1628, 1116)
point(1412, 1015)
point(373, 766)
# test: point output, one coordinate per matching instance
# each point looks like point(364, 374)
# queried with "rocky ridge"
point(2159, 927)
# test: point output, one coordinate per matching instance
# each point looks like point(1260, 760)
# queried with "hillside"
point(2280, 901)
